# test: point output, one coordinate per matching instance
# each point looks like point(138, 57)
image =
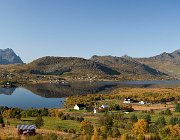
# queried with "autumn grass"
point(52, 123)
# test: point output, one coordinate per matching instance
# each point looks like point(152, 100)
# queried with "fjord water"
point(54, 95)
point(23, 98)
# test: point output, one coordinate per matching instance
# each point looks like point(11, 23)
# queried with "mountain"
point(168, 63)
point(68, 66)
point(7, 56)
point(129, 69)
point(163, 66)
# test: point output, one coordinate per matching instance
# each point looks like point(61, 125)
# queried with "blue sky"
point(82, 28)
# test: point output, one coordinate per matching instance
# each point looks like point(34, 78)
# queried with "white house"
point(95, 110)
point(128, 100)
point(79, 107)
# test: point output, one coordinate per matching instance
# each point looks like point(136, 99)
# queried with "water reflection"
point(65, 90)
point(7, 91)
point(53, 95)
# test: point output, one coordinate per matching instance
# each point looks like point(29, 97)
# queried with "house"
point(26, 129)
point(95, 110)
point(98, 110)
point(79, 107)
point(104, 106)
point(128, 100)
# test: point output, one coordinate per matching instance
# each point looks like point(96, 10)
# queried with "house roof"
point(128, 99)
point(80, 105)
point(26, 127)
point(105, 105)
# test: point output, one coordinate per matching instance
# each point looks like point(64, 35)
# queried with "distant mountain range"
point(8, 56)
point(168, 63)
point(163, 66)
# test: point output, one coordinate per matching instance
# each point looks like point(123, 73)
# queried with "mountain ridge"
point(168, 63)
point(162, 66)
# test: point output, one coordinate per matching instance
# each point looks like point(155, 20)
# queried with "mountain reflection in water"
point(7, 91)
point(65, 90)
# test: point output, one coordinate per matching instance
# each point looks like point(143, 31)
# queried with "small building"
point(79, 107)
point(142, 102)
point(128, 101)
point(95, 110)
point(98, 110)
point(26, 129)
point(104, 106)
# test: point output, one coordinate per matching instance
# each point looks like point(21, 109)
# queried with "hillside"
point(128, 68)
point(69, 67)
point(98, 67)
point(8, 56)
point(166, 62)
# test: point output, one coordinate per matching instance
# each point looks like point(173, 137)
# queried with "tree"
point(107, 120)
point(177, 108)
point(104, 130)
point(170, 132)
point(96, 134)
point(1, 121)
point(174, 120)
point(167, 112)
point(39, 122)
point(124, 137)
point(7, 114)
point(86, 128)
point(153, 128)
point(147, 118)
point(44, 112)
point(115, 132)
point(134, 118)
point(160, 121)
point(141, 127)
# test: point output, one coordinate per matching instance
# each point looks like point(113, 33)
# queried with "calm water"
point(53, 95)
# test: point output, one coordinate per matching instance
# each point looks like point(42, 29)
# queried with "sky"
point(82, 28)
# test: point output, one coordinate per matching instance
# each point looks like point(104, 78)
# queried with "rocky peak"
point(8, 56)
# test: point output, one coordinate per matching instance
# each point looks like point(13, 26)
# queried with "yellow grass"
point(152, 107)
point(11, 132)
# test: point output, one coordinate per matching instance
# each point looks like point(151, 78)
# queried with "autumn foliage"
point(141, 127)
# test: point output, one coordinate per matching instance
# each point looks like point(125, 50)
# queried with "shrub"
point(1, 120)
point(167, 112)
point(72, 131)
point(60, 114)
point(115, 132)
point(160, 121)
point(177, 108)
point(147, 118)
point(153, 128)
point(134, 118)
point(103, 131)
point(39, 122)
point(174, 120)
